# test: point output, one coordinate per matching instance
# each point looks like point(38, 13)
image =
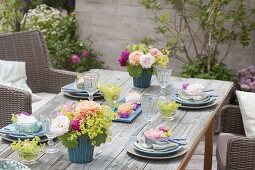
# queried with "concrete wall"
point(114, 24)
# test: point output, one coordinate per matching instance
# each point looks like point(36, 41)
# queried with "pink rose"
point(85, 53)
point(75, 59)
point(155, 52)
point(147, 60)
point(134, 57)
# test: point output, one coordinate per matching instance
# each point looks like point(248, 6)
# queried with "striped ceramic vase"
point(83, 153)
point(143, 81)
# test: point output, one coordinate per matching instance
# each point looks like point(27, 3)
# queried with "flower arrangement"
point(130, 105)
point(167, 108)
point(246, 79)
point(141, 57)
point(28, 149)
point(83, 118)
point(154, 136)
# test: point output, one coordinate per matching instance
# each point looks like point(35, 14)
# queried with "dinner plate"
point(139, 148)
point(82, 95)
point(191, 103)
point(198, 107)
point(11, 127)
point(132, 151)
point(12, 139)
point(9, 164)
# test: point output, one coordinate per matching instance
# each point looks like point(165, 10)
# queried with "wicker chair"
point(234, 150)
point(31, 48)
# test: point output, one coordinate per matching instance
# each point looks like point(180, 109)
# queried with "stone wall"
point(113, 24)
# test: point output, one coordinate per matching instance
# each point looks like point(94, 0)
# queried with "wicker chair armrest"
point(232, 121)
point(59, 78)
point(13, 100)
point(241, 153)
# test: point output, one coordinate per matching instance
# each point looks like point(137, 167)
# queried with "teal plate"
point(11, 127)
point(139, 148)
point(7, 164)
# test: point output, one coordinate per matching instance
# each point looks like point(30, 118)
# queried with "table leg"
point(209, 146)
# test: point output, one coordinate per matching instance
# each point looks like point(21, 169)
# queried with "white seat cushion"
point(13, 74)
point(46, 97)
point(247, 107)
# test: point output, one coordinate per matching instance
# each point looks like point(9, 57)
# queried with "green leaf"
point(134, 71)
point(67, 143)
point(101, 138)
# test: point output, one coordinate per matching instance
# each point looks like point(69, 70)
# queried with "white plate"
point(132, 151)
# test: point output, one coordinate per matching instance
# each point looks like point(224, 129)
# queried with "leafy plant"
point(217, 22)
point(66, 51)
point(198, 69)
point(12, 13)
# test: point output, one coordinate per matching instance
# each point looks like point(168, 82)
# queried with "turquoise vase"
point(83, 153)
point(143, 81)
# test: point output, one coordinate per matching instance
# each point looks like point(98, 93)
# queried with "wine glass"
point(46, 121)
point(149, 106)
point(163, 76)
point(90, 84)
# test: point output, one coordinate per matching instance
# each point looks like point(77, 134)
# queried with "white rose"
point(60, 125)
point(147, 60)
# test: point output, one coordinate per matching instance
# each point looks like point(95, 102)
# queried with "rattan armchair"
point(239, 150)
point(31, 48)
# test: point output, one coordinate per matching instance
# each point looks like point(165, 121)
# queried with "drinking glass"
point(46, 125)
point(163, 76)
point(149, 106)
point(167, 107)
point(111, 93)
point(90, 84)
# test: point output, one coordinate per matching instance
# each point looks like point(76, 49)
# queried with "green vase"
point(143, 81)
point(83, 153)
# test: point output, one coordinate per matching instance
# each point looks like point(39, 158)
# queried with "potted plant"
point(140, 60)
point(88, 125)
point(28, 150)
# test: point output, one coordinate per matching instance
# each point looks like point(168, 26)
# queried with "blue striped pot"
point(143, 81)
point(83, 153)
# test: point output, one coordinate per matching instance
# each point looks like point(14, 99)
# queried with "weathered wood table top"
point(189, 124)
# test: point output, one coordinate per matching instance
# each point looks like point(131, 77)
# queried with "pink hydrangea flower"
point(75, 124)
point(134, 57)
point(75, 59)
point(123, 58)
point(147, 60)
point(85, 53)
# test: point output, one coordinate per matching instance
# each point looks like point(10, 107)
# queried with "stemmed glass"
point(163, 76)
point(90, 84)
point(149, 106)
point(46, 121)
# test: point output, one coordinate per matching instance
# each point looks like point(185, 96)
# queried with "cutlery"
point(180, 142)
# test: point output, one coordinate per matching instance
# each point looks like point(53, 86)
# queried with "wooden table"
point(190, 124)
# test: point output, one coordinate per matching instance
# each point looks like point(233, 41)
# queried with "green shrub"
point(198, 69)
point(66, 51)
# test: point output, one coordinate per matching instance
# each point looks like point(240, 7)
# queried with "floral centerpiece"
point(81, 126)
point(140, 61)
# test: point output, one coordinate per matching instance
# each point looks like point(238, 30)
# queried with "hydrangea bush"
point(66, 51)
point(246, 79)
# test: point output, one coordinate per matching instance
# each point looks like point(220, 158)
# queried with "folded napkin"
point(25, 119)
point(156, 147)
